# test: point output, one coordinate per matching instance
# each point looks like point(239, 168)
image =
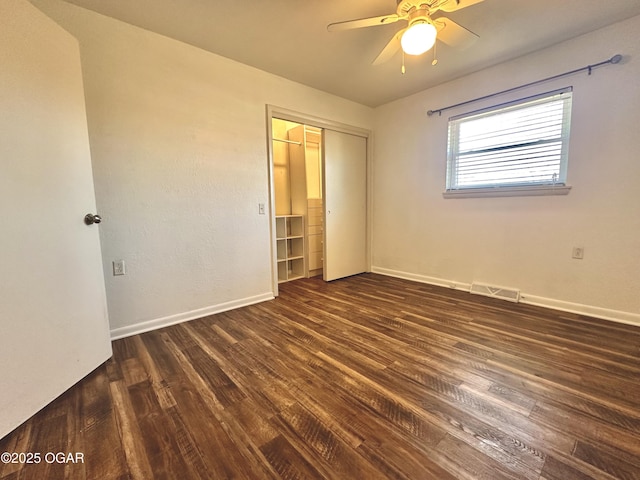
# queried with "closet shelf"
point(290, 247)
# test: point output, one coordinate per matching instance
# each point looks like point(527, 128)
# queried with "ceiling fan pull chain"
point(435, 60)
point(403, 69)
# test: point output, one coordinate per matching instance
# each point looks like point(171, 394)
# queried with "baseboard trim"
point(162, 322)
point(440, 282)
point(581, 309)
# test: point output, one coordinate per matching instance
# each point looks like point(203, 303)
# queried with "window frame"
point(536, 187)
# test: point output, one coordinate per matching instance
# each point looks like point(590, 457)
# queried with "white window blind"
point(522, 143)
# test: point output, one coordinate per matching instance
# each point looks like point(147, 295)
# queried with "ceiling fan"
point(421, 31)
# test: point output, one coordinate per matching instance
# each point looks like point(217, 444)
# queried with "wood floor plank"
point(49, 437)
point(580, 426)
point(15, 443)
point(556, 469)
point(612, 463)
point(469, 463)
point(365, 377)
point(287, 461)
point(102, 442)
point(326, 448)
point(129, 432)
point(225, 447)
point(72, 400)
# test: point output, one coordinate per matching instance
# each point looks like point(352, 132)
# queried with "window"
point(522, 145)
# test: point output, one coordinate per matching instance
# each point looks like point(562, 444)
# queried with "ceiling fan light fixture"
point(418, 38)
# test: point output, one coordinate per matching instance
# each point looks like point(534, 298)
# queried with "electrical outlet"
point(119, 268)
point(261, 208)
point(578, 253)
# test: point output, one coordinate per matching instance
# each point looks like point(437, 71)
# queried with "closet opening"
point(319, 179)
point(298, 199)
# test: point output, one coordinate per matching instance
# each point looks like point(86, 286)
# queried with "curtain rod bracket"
point(617, 58)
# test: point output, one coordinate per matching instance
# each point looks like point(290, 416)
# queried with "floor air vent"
point(510, 294)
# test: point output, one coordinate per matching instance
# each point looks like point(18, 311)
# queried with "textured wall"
point(523, 242)
point(179, 149)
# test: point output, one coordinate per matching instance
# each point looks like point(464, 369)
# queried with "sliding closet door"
point(345, 197)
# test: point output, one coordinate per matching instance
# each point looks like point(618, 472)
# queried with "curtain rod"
point(613, 60)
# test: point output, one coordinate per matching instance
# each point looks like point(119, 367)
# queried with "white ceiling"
point(289, 37)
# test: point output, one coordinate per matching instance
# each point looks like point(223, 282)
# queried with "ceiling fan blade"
point(452, 34)
point(363, 22)
point(390, 49)
point(453, 5)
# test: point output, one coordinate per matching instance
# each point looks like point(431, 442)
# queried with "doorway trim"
point(272, 112)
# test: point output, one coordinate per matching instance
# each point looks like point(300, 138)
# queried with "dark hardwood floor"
point(368, 378)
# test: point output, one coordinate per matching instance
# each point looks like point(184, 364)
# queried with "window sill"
point(533, 190)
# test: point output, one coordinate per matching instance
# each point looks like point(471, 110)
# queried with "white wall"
point(523, 242)
point(179, 150)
